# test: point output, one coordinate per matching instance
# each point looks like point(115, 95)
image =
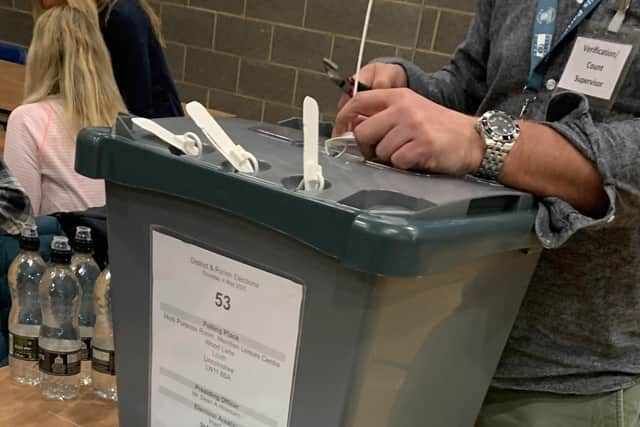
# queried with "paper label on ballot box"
point(224, 339)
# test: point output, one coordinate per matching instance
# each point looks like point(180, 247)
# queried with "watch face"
point(501, 124)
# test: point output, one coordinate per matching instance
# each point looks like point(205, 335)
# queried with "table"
point(11, 85)
point(23, 406)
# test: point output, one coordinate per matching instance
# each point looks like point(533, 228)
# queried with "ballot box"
point(384, 300)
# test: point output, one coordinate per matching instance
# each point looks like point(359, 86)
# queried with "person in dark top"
point(131, 31)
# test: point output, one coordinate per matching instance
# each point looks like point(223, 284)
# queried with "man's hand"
point(410, 131)
point(379, 76)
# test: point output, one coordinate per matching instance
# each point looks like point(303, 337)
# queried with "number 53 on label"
point(223, 301)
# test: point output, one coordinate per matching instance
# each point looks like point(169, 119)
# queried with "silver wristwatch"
point(500, 132)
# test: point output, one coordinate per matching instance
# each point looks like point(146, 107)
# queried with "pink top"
point(40, 151)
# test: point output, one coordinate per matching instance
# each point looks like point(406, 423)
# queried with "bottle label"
point(61, 364)
point(25, 348)
point(103, 361)
point(85, 351)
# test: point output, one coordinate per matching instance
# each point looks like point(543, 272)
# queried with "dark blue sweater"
point(139, 65)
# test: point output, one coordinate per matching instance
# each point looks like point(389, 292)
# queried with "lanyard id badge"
point(544, 28)
point(600, 62)
point(543, 43)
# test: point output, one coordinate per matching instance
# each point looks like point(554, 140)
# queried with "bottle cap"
point(29, 240)
point(30, 231)
point(83, 234)
point(60, 243)
point(83, 241)
point(60, 250)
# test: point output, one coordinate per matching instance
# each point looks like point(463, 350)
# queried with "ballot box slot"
point(386, 202)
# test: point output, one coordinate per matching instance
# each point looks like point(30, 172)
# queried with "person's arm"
point(127, 41)
point(578, 167)
point(25, 129)
point(611, 148)
point(20, 183)
point(546, 164)
point(462, 84)
point(15, 207)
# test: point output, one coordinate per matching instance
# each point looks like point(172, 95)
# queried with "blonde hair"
point(68, 57)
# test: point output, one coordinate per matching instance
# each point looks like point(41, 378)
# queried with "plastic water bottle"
point(103, 361)
point(87, 271)
point(25, 318)
point(59, 341)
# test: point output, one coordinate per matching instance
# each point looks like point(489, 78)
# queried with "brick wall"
point(259, 58)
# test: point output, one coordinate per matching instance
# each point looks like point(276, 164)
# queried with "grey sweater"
point(578, 330)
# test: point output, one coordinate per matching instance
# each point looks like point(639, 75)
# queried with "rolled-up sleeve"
point(613, 147)
point(15, 207)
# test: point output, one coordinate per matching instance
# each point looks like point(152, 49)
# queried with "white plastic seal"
point(363, 41)
point(313, 179)
point(346, 139)
point(238, 157)
point(189, 143)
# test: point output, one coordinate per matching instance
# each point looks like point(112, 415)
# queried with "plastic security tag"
point(313, 179)
point(189, 143)
point(595, 67)
point(345, 140)
point(239, 158)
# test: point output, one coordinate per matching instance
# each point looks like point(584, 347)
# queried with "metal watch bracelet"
point(493, 160)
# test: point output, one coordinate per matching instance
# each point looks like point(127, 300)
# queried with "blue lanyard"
point(542, 44)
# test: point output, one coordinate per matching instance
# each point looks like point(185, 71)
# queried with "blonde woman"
point(131, 31)
point(69, 85)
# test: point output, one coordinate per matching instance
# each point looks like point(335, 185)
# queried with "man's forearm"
point(542, 162)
